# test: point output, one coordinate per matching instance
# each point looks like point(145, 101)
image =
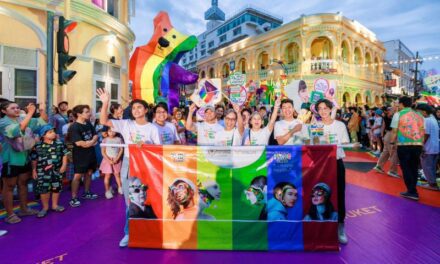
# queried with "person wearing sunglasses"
point(137, 192)
point(322, 208)
point(181, 199)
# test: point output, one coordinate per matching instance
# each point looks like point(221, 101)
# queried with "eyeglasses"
point(230, 119)
point(317, 194)
point(138, 188)
point(179, 187)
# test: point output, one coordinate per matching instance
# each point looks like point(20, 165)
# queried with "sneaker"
point(74, 202)
point(124, 241)
point(342, 237)
point(108, 194)
point(393, 174)
point(412, 196)
point(430, 187)
point(3, 232)
point(89, 196)
point(42, 213)
point(379, 169)
point(120, 191)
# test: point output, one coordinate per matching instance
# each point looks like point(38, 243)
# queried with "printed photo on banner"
point(138, 193)
point(208, 92)
point(181, 199)
point(298, 92)
point(321, 207)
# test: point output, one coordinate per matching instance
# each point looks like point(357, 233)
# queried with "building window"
point(237, 31)
point(203, 45)
point(25, 87)
point(222, 38)
point(211, 44)
point(191, 58)
point(108, 77)
point(202, 53)
point(110, 6)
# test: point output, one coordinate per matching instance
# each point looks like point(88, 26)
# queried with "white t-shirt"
point(206, 133)
point(336, 133)
point(167, 133)
point(283, 126)
point(134, 133)
point(228, 138)
point(431, 128)
point(259, 138)
point(378, 122)
point(112, 152)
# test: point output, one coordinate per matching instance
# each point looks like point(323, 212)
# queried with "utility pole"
point(416, 92)
point(49, 63)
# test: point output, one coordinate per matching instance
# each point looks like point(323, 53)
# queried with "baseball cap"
point(44, 129)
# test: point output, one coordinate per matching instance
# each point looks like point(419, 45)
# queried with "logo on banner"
point(178, 157)
point(321, 85)
point(282, 157)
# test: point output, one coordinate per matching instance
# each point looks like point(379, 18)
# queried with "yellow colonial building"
point(328, 46)
point(101, 41)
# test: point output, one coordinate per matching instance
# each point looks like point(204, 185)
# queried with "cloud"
point(416, 23)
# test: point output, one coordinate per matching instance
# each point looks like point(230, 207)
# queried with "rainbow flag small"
point(206, 96)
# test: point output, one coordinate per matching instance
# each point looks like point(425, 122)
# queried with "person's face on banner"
point(182, 192)
point(303, 94)
point(138, 193)
point(214, 190)
point(287, 110)
point(318, 197)
point(290, 197)
point(230, 121)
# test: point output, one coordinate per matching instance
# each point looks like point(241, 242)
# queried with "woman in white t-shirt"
point(256, 135)
point(167, 131)
point(134, 131)
point(232, 135)
point(335, 132)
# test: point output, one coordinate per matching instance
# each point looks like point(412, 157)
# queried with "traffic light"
point(64, 59)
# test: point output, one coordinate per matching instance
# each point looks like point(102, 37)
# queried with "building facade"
point(101, 41)
point(327, 46)
point(400, 67)
point(249, 21)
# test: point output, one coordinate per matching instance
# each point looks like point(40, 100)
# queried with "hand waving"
point(103, 95)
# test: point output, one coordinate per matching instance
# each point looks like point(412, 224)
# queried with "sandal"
point(58, 209)
point(42, 213)
point(13, 219)
point(29, 211)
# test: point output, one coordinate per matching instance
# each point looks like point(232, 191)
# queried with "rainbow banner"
point(233, 198)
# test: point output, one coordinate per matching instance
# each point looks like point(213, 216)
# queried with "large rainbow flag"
point(234, 198)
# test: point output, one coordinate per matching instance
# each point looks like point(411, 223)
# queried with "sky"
point(415, 23)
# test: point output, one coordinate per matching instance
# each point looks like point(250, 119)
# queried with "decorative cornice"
point(83, 11)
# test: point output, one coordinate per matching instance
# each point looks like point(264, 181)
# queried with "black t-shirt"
point(82, 132)
point(387, 121)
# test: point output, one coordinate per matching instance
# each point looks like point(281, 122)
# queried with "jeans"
point(124, 180)
point(388, 153)
point(429, 166)
point(409, 157)
point(340, 173)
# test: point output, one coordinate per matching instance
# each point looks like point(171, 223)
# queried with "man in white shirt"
point(289, 131)
point(134, 131)
point(207, 130)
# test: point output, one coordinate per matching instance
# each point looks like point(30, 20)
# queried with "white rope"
point(339, 145)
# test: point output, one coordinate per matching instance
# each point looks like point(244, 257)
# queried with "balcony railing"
point(262, 74)
point(323, 66)
point(292, 68)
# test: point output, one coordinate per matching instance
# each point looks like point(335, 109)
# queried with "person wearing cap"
point(429, 156)
point(321, 208)
point(181, 199)
point(49, 162)
point(285, 195)
point(208, 129)
point(408, 134)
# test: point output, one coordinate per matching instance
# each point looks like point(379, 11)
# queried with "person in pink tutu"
point(111, 162)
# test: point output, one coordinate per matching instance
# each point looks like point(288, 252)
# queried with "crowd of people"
point(73, 145)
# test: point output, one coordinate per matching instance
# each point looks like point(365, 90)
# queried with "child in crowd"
point(111, 162)
point(49, 162)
